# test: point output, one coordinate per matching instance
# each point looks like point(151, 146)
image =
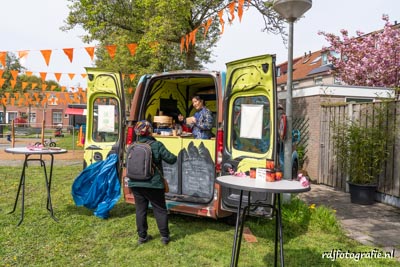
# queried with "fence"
point(329, 172)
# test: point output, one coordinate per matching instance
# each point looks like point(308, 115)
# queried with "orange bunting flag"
point(16, 95)
point(132, 48)
point(63, 88)
point(71, 75)
point(28, 73)
point(187, 42)
point(20, 101)
point(221, 20)
point(53, 87)
point(12, 101)
point(90, 51)
point(111, 50)
point(130, 90)
point(7, 95)
point(13, 83)
point(67, 98)
point(24, 85)
point(44, 86)
point(4, 101)
point(231, 7)
point(132, 76)
point(2, 82)
point(70, 53)
point(3, 55)
point(22, 54)
point(182, 43)
point(36, 96)
point(207, 26)
point(1, 73)
point(34, 85)
point(46, 55)
point(43, 75)
point(83, 75)
point(240, 9)
point(58, 76)
point(76, 98)
point(193, 33)
point(14, 74)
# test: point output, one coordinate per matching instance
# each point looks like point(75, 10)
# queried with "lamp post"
point(291, 10)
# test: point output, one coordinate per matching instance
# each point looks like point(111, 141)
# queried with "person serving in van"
point(201, 122)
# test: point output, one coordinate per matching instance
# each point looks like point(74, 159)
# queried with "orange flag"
point(53, 87)
point(63, 88)
point(43, 75)
point(182, 43)
point(111, 50)
point(36, 96)
point(1, 72)
point(12, 101)
point(71, 75)
point(16, 95)
point(46, 55)
point(221, 20)
point(28, 73)
point(2, 82)
point(4, 101)
point(187, 38)
point(13, 83)
point(20, 101)
point(22, 54)
point(207, 26)
point(7, 95)
point(14, 74)
point(90, 51)
point(130, 90)
point(3, 55)
point(240, 9)
point(83, 75)
point(132, 48)
point(70, 53)
point(58, 76)
point(44, 86)
point(193, 36)
point(34, 85)
point(132, 76)
point(24, 85)
point(231, 7)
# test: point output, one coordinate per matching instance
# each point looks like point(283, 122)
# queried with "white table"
point(255, 185)
point(39, 153)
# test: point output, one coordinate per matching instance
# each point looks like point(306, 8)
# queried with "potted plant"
point(361, 149)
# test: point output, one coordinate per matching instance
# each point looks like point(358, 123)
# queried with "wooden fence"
point(329, 172)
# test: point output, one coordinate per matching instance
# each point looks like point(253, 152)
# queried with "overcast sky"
point(34, 25)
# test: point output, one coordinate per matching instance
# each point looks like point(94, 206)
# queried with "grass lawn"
point(81, 239)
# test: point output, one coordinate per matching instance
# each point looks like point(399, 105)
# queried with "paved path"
point(375, 225)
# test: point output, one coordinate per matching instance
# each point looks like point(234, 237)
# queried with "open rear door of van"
point(105, 118)
point(250, 121)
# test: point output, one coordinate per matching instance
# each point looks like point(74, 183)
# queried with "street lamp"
point(291, 10)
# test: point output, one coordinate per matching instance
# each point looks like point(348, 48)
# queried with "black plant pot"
point(362, 194)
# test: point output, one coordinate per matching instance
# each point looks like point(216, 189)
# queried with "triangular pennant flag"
point(83, 75)
point(71, 75)
point(111, 50)
point(34, 85)
point(221, 20)
point(24, 85)
point(23, 54)
point(53, 87)
point(46, 55)
point(3, 55)
point(7, 95)
point(182, 43)
point(132, 76)
point(70, 53)
point(2, 82)
point(14, 74)
point(132, 48)
point(63, 88)
point(44, 86)
point(4, 101)
point(12, 101)
point(231, 7)
point(240, 9)
point(187, 38)
point(36, 96)
point(43, 75)
point(76, 98)
point(16, 95)
point(130, 90)
point(193, 33)
point(28, 73)
point(13, 83)
point(207, 26)
point(67, 98)
point(1, 72)
point(58, 76)
point(20, 101)
point(90, 51)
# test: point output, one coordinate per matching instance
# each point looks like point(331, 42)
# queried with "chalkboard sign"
point(197, 172)
point(171, 175)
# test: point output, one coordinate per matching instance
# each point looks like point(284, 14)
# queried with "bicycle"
point(48, 142)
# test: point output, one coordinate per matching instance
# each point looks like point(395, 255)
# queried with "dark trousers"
point(157, 199)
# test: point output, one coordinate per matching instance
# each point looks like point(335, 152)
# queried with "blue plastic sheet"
point(97, 187)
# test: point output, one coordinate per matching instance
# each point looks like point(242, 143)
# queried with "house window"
point(318, 81)
point(57, 116)
point(12, 116)
point(295, 85)
point(32, 117)
point(359, 100)
point(278, 71)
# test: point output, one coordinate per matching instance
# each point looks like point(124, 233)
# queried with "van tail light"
point(220, 145)
point(129, 135)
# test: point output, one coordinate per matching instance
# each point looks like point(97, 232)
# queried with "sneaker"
point(165, 240)
point(143, 240)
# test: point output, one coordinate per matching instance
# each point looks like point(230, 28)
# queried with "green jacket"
point(160, 153)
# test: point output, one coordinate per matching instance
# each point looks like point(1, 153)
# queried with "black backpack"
point(139, 161)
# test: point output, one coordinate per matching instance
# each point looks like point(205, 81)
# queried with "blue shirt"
point(204, 122)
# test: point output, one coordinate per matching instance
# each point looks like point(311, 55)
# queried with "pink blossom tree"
point(368, 59)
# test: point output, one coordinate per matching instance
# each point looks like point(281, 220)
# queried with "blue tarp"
point(97, 187)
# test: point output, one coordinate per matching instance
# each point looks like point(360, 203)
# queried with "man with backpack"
point(148, 187)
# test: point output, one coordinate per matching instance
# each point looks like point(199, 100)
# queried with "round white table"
point(34, 151)
point(256, 185)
